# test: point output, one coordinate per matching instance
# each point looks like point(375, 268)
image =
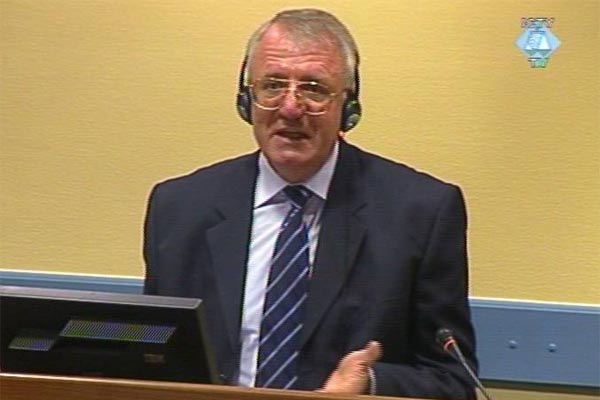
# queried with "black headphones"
point(351, 110)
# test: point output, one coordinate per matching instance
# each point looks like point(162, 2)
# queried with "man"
point(322, 267)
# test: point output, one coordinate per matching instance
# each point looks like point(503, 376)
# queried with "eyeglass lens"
point(269, 93)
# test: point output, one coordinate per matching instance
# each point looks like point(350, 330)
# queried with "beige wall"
point(102, 98)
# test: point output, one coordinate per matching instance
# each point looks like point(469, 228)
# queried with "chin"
point(291, 158)
point(292, 166)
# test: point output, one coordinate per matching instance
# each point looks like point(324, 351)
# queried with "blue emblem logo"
point(536, 41)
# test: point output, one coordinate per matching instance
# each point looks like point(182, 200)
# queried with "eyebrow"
point(307, 78)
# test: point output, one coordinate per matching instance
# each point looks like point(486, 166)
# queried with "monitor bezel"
point(67, 304)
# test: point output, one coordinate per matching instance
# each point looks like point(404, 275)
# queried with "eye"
point(313, 87)
point(272, 85)
point(314, 91)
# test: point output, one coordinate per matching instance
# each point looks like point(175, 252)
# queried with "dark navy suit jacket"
point(390, 266)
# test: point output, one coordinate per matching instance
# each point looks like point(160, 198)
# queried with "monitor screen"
point(72, 332)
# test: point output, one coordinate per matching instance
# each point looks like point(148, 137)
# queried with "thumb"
point(365, 356)
point(372, 352)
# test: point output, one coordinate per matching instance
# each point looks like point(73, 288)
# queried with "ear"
point(243, 100)
point(351, 111)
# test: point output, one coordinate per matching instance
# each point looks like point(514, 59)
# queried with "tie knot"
point(298, 195)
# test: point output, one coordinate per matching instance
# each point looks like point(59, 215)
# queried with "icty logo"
point(536, 41)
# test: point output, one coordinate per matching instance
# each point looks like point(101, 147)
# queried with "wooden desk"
point(47, 387)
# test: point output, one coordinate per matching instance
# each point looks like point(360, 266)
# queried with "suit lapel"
point(228, 242)
point(339, 240)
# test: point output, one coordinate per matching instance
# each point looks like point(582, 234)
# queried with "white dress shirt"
point(270, 208)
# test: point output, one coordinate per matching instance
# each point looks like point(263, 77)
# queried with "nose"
point(291, 106)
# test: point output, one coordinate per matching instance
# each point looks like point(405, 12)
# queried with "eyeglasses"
point(269, 93)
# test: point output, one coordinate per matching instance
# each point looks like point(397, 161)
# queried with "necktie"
point(285, 297)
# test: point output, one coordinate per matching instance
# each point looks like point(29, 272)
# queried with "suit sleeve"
point(149, 246)
point(440, 299)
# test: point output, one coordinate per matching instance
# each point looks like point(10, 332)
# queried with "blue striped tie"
point(284, 302)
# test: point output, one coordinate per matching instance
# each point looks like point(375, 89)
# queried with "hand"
point(351, 376)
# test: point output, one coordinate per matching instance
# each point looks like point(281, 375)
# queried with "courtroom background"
point(101, 99)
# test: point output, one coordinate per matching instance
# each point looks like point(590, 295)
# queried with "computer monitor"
point(100, 334)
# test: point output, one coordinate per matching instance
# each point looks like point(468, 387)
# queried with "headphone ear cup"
point(351, 112)
point(244, 104)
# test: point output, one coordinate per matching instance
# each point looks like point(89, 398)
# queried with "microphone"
point(445, 338)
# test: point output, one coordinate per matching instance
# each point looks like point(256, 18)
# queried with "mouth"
point(291, 135)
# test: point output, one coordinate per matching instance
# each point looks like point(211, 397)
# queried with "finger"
point(366, 356)
point(373, 352)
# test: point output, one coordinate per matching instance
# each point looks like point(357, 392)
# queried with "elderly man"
point(322, 267)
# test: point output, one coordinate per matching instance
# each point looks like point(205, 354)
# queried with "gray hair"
point(312, 25)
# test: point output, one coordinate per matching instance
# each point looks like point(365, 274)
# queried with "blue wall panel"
point(538, 343)
point(519, 342)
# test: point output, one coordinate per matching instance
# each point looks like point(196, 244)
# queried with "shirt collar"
point(269, 183)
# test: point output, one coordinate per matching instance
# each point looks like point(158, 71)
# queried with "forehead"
point(279, 53)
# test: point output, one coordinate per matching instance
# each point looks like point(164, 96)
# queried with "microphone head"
point(443, 335)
